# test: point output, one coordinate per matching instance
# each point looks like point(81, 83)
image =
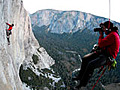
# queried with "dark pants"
point(8, 32)
point(89, 63)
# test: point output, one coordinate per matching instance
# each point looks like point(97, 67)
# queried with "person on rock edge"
point(8, 31)
point(107, 52)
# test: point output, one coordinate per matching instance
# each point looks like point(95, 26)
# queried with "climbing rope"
point(109, 13)
point(109, 9)
point(104, 69)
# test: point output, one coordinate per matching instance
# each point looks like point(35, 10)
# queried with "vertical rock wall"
point(22, 43)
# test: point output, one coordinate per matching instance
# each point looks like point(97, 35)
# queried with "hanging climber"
point(8, 32)
point(108, 48)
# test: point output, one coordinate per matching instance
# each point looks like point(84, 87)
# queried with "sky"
point(95, 7)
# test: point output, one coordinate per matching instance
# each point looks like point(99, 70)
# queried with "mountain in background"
point(67, 21)
point(67, 36)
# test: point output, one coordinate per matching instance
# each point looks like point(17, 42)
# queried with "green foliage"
point(38, 82)
point(35, 58)
point(57, 46)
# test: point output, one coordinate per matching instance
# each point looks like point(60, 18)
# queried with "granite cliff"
point(23, 45)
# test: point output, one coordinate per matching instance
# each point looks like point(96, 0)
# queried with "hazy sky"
point(96, 7)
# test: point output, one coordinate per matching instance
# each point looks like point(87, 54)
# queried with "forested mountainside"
point(67, 50)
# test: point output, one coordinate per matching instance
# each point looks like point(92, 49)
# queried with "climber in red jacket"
point(107, 52)
point(8, 31)
point(10, 28)
point(111, 41)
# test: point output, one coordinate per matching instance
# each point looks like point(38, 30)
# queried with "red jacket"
point(10, 26)
point(112, 42)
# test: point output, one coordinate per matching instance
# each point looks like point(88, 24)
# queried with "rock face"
point(22, 44)
point(113, 86)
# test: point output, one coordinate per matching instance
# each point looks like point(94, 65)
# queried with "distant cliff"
point(66, 21)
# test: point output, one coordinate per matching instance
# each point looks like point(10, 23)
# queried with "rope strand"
point(104, 69)
point(109, 9)
point(109, 13)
